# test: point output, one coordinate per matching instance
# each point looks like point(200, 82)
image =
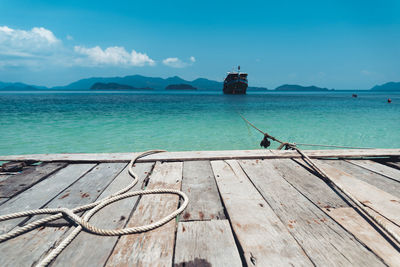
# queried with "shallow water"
point(55, 122)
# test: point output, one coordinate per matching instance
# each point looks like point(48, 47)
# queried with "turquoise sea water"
point(55, 122)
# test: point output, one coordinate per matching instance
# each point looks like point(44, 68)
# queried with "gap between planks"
point(156, 247)
point(344, 215)
point(323, 240)
point(262, 236)
point(378, 168)
point(116, 215)
point(41, 193)
point(206, 243)
point(206, 155)
point(18, 183)
point(199, 184)
point(38, 241)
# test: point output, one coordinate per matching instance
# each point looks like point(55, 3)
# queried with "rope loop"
point(82, 221)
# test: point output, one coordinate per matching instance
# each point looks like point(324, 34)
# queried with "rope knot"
point(265, 142)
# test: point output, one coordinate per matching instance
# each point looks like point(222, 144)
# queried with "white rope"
point(93, 208)
point(350, 147)
point(369, 214)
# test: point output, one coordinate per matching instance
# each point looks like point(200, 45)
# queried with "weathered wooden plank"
point(373, 178)
point(363, 231)
point(206, 243)
point(12, 166)
point(393, 164)
point(296, 173)
point(80, 252)
point(199, 184)
point(378, 168)
point(36, 243)
point(206, 155)
point(325, 242)
point(41, 193)
point(18, 183)
point(87, 189)
point(390, 225)
point(153, 248)
point(2, 200)
point(264, 239)
point(5, 176)
point(371, 196)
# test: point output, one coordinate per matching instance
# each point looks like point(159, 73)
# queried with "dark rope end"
point(265, 142)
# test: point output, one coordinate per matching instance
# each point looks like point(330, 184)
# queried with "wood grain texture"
point(18, 183)
point(390, 225)
point(296, 173)
point(373, 178)
point(322, 239)
point(378, 168)
point(390, 163)
point(80, 252)
point(41, 193)
point(5, 176)
point(31, 247)
point(262, 236)
point(156, 247)
point(2, 200)
point(205, 155)
point(199, 184)
point(371, 196)
point(206, 243)
point(363, 231)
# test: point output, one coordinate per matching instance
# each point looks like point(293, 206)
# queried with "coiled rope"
point(94, 207)
point(387, 231)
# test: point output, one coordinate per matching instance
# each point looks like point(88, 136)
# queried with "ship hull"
point(235, 88)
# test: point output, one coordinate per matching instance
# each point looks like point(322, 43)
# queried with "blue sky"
point(335, 44)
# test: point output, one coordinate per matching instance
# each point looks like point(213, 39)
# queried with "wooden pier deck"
point(247, 208)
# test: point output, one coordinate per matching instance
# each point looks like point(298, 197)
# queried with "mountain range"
point(138, 82)
point(391, 86)
point(295, 87)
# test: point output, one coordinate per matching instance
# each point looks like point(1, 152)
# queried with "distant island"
point(139, 82)
point(294, 87)
point(115, 86)
point(181, 86)
point(391, 86)
point(19, 87)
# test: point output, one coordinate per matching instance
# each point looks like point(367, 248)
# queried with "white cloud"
point(36, 48)
point(28, 47)
point(39, 48)
point(175, 62)
point(115, 55)
point(6, 30)
point(36, 40)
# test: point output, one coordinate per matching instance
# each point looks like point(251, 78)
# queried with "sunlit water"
point(132, 121)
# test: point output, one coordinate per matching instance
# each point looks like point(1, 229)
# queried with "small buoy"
point(389, 100)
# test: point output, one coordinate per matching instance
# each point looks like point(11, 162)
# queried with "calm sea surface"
point(55, 122)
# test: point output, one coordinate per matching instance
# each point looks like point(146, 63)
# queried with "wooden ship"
point(235, 83)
